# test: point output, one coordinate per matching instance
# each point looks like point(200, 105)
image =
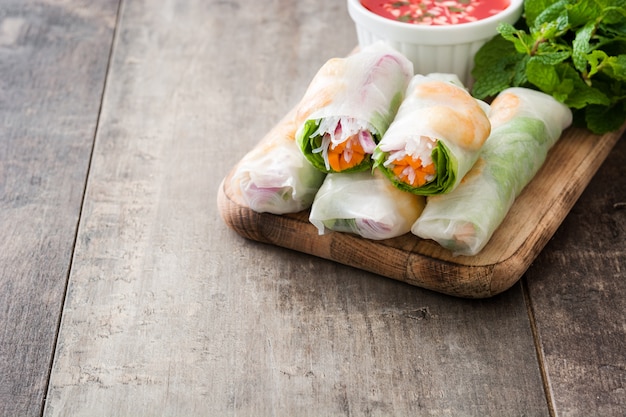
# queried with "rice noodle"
point(335, 130)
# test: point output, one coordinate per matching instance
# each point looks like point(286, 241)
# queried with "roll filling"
point(435, 138)
point(349, 106)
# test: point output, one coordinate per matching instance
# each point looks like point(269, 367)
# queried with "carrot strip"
point(403, 168)
point(337, 156)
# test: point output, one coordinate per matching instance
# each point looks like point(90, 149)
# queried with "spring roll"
point(349, 106)
point(366, 204)
point(275, 177)
point(525, 125)
point(435, 138)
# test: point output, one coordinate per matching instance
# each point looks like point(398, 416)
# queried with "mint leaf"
point(614, 12)
point(597, 61)
point(551, 57)
point(545, 77)
point(615, 67)
point(554, 15)
point(582, 12)
point(574, 50)
point(581, 46)
point(582, 94)
point(533, 8)
point(602, 119)
point(496, 66)
point(522, 41)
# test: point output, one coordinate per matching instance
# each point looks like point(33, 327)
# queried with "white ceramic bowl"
point(447, 49)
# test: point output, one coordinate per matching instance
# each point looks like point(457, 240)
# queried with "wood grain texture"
point(577, 289)
point(53, 58)
point(533, 219)
point(169, 312)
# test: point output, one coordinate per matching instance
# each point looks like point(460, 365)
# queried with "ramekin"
point(446, 49)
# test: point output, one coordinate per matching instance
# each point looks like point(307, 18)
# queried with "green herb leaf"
point(574, 50)
point(582, 12)
point(581, 46)
point(581, 93)
point(602, 119)
point(522, 41)
point(533, 8)
point(614, 12)
point(615, 67)
point(496, 68)
point(547, 79)
point(554, 14)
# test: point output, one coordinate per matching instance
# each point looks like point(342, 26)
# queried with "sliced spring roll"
point(349, 106)
point(275, 177)
point(366, 204)
point(435, 138)
point(525, 125)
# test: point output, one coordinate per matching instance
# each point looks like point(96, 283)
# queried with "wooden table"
point(122, 292)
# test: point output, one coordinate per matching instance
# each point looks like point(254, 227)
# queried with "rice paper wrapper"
point(275, 177)
point(365, 204)
point(436, 109)
point(526, 123)
point(361, 92)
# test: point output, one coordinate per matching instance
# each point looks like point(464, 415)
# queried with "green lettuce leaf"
point(307, 143)
point(445, 179)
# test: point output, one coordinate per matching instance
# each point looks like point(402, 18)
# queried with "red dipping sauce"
point(435, 12)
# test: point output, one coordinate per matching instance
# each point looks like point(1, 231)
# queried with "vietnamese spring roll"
point(349, 106)
point(366, 204)
point(275, 177)
point(525, 125)
point(435, 138)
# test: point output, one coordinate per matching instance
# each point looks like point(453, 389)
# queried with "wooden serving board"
point(531, 222)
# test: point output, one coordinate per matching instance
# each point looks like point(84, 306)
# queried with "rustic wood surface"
point(53, 63)
point(124, 293)
point(577, 291)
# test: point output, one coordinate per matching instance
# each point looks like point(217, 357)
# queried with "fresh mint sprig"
point(574, 50)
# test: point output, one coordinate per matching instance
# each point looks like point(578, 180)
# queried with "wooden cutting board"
point(531, 222)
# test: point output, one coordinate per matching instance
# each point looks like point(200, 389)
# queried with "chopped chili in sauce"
point(435, 12)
